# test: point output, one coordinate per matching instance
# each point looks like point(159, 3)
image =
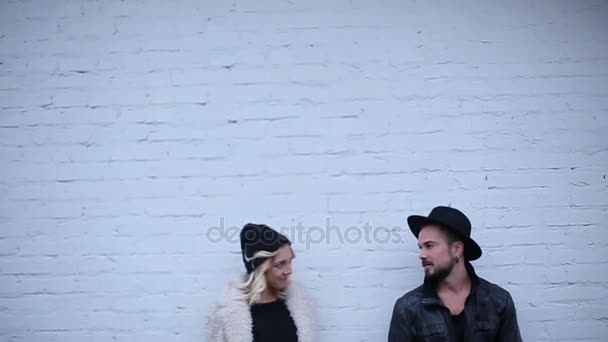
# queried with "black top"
point(459, 325)
point(272, 322)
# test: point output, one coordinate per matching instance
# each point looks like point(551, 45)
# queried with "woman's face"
point(277, 276)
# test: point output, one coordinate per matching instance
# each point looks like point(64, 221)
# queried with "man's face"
point(435, 253)
point(277, 276)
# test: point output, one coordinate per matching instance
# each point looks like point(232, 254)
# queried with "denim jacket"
point(419, 315)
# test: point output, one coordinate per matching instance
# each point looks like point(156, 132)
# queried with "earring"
point(457, 259)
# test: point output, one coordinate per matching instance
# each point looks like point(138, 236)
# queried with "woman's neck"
point(269, 295)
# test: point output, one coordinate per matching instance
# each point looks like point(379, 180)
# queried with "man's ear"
point(458, 248)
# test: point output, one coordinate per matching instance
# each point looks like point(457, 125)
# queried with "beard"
point(440, 272)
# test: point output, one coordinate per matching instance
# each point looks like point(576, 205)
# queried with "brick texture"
point(136, 136)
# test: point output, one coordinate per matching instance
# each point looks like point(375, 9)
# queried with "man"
point(453, 304)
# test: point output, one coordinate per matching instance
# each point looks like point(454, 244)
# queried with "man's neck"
point(457, 282)
point(455, 289)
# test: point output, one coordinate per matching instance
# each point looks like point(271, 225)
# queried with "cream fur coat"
point(230, 320)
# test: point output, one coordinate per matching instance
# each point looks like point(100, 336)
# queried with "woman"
point(265, 306)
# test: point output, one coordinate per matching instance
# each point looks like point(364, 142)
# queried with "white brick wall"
point(129, 128)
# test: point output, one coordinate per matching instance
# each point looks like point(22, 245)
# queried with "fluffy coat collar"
point(231, 320)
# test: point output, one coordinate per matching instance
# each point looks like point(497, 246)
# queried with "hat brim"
point(472, 251)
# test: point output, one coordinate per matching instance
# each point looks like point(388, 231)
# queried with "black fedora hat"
point(452, 219)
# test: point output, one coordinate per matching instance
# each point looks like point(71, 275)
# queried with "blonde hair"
point(253, 287)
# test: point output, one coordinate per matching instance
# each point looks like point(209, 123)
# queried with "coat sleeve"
point(312, 317)
point(509, 329)
point(214, 328)
point(399, 330)
point(303, 309)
